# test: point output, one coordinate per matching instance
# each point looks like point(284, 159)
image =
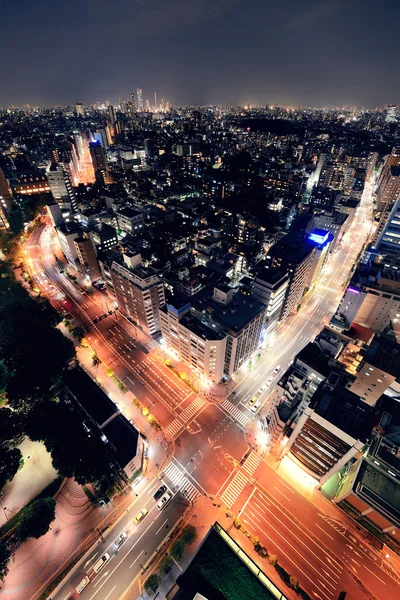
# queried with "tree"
point(5, 556)
point(166, 565)
point(294, 582)
point(273, 559)
point(95, 359)
point(177, 549)
point(11, 426)
point(110, 372)
point(189, 534)
point(10, 462)
point(36, 518)
point(151, 584)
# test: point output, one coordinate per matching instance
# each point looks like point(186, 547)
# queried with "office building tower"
point(296, 257)
point(147, 104)
point(54, 211)
point(162, 104)
point(103, 236)
point(133, 103)
point(97, 156)
point(87, 258)
point(199, 346)
point(122, 105)
point(139, 96)
point(389, 240)
point(79, 109)
point(67, 233)
point(155, 101)
point(270, 289)
point(61, 186)
point(111, 114)
point(6, 201)
point(139, 293)
point(391, 113)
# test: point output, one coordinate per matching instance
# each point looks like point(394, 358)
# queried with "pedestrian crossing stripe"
point(235, 412)
point(180, 422)
point(234, 489)
point(181, 482)
point(251, 463)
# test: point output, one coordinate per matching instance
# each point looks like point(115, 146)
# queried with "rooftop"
point(379, 490)
point(219, 571)
point(89, 395)
point(123, 437)
point(312, 356)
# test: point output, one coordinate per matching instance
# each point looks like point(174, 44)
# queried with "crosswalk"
point(180, 422)
point(152, 345)
point(235, 412)
point(181, 482)
point(234, 489)
point(251, 463)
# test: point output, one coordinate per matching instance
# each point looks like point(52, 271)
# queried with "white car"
point(256, 407)
point(162, 503)
point(277, 369)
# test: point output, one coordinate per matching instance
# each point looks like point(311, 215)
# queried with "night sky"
point(200, 52)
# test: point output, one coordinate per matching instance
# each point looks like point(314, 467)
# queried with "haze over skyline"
point(331, 52)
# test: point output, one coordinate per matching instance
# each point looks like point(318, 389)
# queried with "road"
point(211, 456)
point(129, 557)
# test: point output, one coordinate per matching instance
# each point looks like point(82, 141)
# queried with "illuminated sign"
point(319, 236)
point(353, 290)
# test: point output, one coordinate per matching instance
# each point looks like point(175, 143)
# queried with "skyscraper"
point(133, 103)
point(97, 156)
point(389, 240)
point(122, 105)
point(79, 109)
point(139, 96)
point(155, 101)
point(147, 104)
point(111, 114)
point(391, 113)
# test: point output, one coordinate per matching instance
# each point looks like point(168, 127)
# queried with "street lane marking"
point(338, 566)
point(108, 595)
point(319, 558)
point(159, 529)
point(284, 495)
point(286, 486)
point(136, 559)
point(329, 536)
point(189, 475)
point(122, 559)
point(287, 556)
point(247, 501)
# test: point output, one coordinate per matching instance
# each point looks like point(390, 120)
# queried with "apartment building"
point(139, 293)
point(199, 347)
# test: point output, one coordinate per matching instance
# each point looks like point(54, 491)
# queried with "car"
point(277, 369)
point(121, 539)
point(82, 584)
point(256, 407)
point(141, 514)
point(160, 492)
point(164, 500)
point(101, 562)
point(260, 391)
point(251, 402)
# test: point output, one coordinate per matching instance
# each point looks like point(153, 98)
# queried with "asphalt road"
point(126, 560)
point(209, 439)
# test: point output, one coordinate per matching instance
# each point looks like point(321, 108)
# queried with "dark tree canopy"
point(36, 519)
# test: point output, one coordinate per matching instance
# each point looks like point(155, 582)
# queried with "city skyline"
point(312, 53)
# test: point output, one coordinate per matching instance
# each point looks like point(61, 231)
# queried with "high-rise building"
point(389, 240)
point(155, 101)
point(122, 105)
point(199, 346)
point(97, 156)
point(270, 289)
point(111, 114)
point(139, 293)
point(61, 186)
point(87, 258)
point(79, 109)
point(139, 95)
point(133, 103)
point(296, 256)
point(391, 113)
point(147, 104)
